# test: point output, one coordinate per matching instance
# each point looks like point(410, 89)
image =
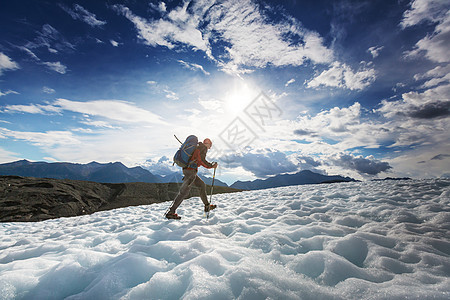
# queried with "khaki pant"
point(190, 177)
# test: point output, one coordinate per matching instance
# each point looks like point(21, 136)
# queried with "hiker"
point(197, 159)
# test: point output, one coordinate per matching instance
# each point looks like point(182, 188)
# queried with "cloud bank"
point(115, 110)
point(239, 38)
point(363, 165)
point(262, 163)
point(245, 39)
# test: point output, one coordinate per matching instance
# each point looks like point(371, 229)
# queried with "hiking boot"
point(174, 216)
point(210, 207)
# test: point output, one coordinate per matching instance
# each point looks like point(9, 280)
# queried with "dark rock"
point(392, 178)
point(36, 199)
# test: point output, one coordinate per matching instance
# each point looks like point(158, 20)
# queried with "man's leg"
point(189, 178)
point(202, 189)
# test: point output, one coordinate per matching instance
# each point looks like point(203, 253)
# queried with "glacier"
point(356, 240)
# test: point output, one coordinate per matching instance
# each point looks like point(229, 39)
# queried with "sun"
point(239, 96)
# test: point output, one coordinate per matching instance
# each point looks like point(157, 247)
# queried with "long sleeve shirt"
point(198, 158)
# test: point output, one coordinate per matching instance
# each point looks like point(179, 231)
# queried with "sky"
point(355, 88)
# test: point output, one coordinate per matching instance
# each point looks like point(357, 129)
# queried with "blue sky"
point(356, 88)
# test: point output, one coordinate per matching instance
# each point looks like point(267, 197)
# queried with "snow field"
point(367, 240)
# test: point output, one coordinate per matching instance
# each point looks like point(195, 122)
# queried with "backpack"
point(183, 155)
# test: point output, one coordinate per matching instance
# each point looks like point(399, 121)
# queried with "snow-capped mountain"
point(302, 177)
point(108, 173)
point(119, 173)
point(356, 240)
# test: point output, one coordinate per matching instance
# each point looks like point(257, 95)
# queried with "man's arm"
point(202, 161)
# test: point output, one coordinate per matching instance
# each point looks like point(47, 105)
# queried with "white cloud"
point(30, 53)
point(121, 111)
point(161, 166)
point(331, 123)
point(289, 82)
point(161, 7)
point(419, 120)
point(375, 51)
point(417, 162)
point(255, 42)
point(178, 27)
point(100, 124)
point(171, 95)
point(329, 132)
point(7, 64)
point(163, 89)
point(428, 104)
point(436, 76)
point(424, 10)
point(435, 45)
point(114, 43)
point(342, 76)
point(415, 124)
point(426, 113)
point(56, 66)
point(43, 139)
point(214, 105)
point(80, 13)
point(8, 92)
point(127, 145)
point(84, 130)
point(51, 39)
point(7, 156)
point(48, 90)
point(239, 28)
point(31, 109)
point(193, 67)
point(261, 163)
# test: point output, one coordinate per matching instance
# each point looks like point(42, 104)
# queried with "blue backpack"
point(183, 155)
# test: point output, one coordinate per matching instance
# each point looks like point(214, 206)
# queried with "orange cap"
point(207, 141)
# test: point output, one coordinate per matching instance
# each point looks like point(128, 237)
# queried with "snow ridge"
point(358, 240)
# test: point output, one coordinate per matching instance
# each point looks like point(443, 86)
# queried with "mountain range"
point(105, 173)
point(118, 173)
point(302, 177)
point(97, 172)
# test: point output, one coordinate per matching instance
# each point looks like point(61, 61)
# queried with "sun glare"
point(238, 97)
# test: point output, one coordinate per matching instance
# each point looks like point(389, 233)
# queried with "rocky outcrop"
point(25, 199)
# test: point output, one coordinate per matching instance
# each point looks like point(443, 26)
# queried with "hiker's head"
point(207, 142)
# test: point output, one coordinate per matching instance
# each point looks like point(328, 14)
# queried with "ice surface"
point(367, 240)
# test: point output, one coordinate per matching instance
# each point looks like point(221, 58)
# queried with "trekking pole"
point(212, 186)
point(177, 139)
point(169, 208)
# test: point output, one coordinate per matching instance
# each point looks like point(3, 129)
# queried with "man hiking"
point(197, 159)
